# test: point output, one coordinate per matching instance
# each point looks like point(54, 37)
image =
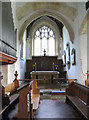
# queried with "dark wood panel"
point(44, 63)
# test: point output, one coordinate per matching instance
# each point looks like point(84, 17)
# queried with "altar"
point(45, 77)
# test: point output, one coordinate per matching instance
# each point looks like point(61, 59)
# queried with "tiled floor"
point(55, 109)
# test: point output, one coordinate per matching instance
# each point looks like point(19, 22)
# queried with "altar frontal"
point(45, 77)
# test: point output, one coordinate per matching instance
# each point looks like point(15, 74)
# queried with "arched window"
point(44, 39)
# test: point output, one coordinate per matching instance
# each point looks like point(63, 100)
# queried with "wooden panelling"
point(43, 63)
point(78, 94)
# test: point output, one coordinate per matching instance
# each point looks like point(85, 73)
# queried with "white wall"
point(11, 72)
point(17, 64)
point(75, 71)
point(81, 12)
point(5, 74)
point(88, 49)
point(0, 20)
point(83, 40)
point(23, 60)
point(83, 48)
point(28, 53)
point(79, 70)
point(20, 64)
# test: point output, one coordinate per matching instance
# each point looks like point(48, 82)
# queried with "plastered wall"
point(75, 71)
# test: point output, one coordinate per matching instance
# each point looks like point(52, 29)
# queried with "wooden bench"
point(8, 101)
point(29, 98)
point(71, 80)
point(25, 108)
point(35, 95)
point(35, 92)
point(86, 83)
point(78, 95)
point(12, 89)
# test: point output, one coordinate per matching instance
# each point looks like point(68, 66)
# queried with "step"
point(53, 92)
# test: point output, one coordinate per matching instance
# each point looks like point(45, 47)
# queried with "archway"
point(48, 12)
point(50, 23)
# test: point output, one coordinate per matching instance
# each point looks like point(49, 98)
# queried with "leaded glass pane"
point(44, 39)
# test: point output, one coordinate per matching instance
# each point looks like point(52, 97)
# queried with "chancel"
point(44, 60)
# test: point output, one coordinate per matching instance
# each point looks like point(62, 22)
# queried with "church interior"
point(44, 68)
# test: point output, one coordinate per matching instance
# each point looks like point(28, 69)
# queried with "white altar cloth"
point(44, 72)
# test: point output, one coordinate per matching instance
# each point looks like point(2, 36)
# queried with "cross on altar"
point(44, 52)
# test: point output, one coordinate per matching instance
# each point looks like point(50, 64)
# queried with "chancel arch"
point(49, 24)
point(47, 12)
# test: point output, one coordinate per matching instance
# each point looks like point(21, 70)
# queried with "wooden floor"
point(55, 109)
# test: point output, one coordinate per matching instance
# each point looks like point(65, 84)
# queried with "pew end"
point(9, 99)
point(86, 83)
point(25, 108)
point(35, 95)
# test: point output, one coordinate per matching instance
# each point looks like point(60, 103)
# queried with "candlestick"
point(53, 66)
point(35, 66)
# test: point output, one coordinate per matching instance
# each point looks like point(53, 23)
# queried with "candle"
point(35, 66)
point(53, 66)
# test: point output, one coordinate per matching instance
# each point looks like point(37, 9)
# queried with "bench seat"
point(79, 104)
point(13, 99)
point(78, 94)
point(35, 101)
point(35, 95)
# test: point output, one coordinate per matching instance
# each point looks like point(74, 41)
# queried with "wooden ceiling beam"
point(7, 59)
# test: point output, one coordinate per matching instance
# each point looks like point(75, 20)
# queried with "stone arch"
point(46, 12)
point(50, 23)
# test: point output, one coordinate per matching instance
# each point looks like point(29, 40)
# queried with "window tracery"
point(44, 38)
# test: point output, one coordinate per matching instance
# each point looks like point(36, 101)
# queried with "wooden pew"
point(25, 108)
point(35, 95)
point(12, 87)
point(78, 95)
point(7, 101)
point(71, 80)
point(86, 83)
point(35, 92)
point(29, 98)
